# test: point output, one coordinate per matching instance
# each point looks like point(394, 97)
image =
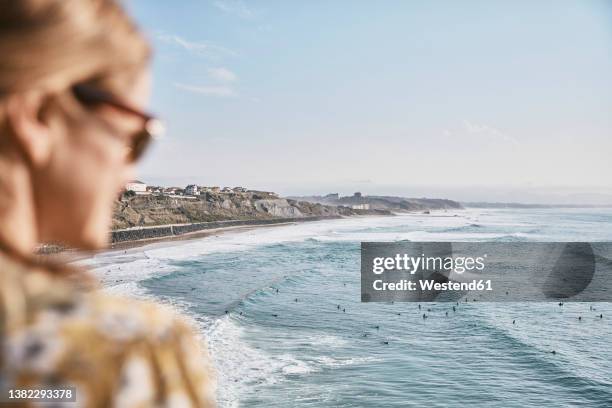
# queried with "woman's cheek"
point(102, 167)
point(106, 167)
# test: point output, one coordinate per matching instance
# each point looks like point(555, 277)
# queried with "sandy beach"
point(127, 247)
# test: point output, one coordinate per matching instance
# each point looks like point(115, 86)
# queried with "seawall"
point(161, 231)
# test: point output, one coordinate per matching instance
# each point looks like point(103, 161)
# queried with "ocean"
point(280, 309)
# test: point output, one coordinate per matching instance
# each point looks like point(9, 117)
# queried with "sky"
point(469, 100)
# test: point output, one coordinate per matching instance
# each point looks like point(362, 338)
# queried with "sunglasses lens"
point(140, 144)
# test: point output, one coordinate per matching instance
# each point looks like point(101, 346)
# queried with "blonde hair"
point(52, 44)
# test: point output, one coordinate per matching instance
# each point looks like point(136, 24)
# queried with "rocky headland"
point(134, 210)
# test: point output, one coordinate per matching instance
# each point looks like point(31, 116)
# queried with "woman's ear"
point(31, 134)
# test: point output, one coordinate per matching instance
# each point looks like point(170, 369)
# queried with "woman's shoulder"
point(31, 294)
point(107, 346)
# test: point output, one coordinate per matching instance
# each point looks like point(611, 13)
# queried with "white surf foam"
point(241, 366)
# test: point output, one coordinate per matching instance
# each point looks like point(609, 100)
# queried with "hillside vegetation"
point(147, 210)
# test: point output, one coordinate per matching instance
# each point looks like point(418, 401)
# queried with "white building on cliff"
point(192, 189)
point(136, 186)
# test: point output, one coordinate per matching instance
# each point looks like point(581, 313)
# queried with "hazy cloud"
point(222, 74)
point(223, 78)
point(217, 91)
point(481, 129)
point(202, 48)
point(235, 7)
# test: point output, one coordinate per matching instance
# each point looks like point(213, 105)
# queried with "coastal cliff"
point(147, 216)
point(154, 210)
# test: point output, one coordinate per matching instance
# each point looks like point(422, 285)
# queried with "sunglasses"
point(152, 127)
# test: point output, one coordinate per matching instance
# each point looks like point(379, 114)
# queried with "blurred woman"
point(73, 84)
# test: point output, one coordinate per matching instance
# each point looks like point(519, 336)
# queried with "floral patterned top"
point(116, 352)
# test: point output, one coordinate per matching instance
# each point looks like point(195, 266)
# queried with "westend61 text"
point(429, 285)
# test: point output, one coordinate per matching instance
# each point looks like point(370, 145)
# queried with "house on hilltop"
point(173, 191)
point(136, 186)
point(192, 189)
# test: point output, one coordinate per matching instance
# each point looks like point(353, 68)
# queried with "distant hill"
point(388, 203)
